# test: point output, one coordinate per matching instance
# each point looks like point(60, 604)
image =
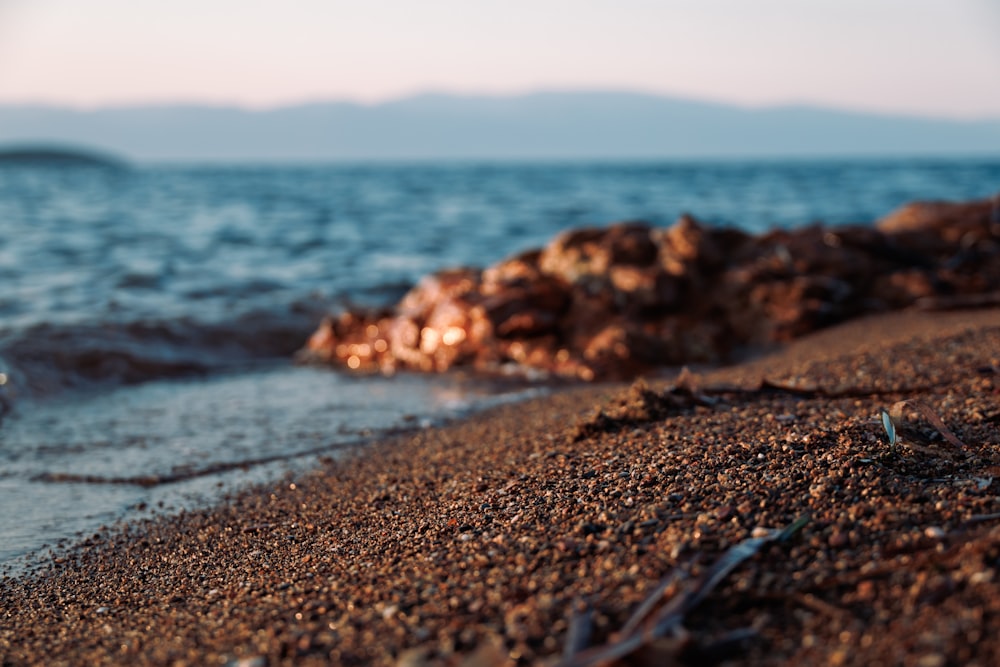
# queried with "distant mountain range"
point(547, 125)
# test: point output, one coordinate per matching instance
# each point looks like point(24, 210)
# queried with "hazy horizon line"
point(494, 95)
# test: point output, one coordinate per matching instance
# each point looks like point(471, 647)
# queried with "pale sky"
point(926, 57)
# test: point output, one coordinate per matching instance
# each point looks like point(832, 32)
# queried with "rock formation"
point(612, 302)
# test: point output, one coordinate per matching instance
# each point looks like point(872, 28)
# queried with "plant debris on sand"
point(537, 533)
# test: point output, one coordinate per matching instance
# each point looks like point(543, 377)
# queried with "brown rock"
point(520, 270)
point(438, 287)
point(630, 243)
point(644, 288)
point(526, 310)
point(949, 220)
point(599, 303)
point(574, 255)
point(688, 242)
point(902, 288)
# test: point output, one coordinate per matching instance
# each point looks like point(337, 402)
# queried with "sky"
point(919, 57)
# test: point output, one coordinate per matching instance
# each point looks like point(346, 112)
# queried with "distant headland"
point(554, 125)
point(58, 156)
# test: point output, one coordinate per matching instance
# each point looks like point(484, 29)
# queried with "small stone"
point(255, 661)
point(838, 540)
point(866, 590)
point(724, 512)
point(981, 577)
point(932, 660)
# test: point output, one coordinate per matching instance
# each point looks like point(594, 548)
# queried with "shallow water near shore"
point(149, 315)
point(74, 463)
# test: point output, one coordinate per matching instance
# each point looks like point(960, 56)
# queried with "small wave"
point(47, 358)
point(135, 280)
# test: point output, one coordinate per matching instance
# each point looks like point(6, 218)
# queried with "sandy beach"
point(534, 532)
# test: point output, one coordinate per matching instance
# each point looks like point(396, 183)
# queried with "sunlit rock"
point(613, 302)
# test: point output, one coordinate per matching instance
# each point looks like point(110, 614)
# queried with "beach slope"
point(535, 531)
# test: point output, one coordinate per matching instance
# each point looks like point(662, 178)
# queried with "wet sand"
point(544, 525)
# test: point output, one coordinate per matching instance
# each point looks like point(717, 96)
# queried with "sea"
point(150, 314)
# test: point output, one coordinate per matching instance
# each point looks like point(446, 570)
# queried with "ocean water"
point(149, 315)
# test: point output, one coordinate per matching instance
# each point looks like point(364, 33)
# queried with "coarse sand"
point(533, 532)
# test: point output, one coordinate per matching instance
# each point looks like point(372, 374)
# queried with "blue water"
point(148, 315)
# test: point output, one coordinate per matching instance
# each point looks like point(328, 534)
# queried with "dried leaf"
point(654, 598)
point(896, 414)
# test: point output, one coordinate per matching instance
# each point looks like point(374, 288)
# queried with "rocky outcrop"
point(612, 302)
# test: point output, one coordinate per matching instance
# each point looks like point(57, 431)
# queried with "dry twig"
point(643, 630)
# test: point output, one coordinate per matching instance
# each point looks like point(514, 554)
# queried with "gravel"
point(484, 542)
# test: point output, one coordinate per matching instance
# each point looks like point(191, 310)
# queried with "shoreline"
point(488, 537)
point(76, 462)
